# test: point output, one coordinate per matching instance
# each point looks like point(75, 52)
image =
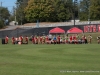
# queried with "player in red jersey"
point(58, 39)
point(6, 40)
point(74, 39)
point(36, 40)
point(41, 39)
point(71, 38)
point(33, 41)
point(26, 40)
point(47, 39)
point(21, 39)
point(13, 40)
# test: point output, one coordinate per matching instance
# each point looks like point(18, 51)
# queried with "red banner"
point(90, 28)
point(98, 28)
point(94, 28)
point(85, 28)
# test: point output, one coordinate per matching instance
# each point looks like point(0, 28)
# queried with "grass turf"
point(50, 59)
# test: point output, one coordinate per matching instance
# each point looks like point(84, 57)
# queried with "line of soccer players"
point(52, 39)
point(15, 40)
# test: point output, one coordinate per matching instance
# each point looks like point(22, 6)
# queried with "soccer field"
point(62, 59)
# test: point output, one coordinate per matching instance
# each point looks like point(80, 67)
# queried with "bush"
point(1, 24)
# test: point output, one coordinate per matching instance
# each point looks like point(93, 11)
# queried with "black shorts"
point(49, 39)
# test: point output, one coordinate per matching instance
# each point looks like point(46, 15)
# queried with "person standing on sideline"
point(33, 40)
point(55, 39)
point(58, 39)
point(26, 39)
point(98, 38)
point(13, 40)
point(21, 39)
point(41, 39)
point(6, 40)
point(90, 39)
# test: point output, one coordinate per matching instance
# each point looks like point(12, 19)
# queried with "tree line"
point(28, 11)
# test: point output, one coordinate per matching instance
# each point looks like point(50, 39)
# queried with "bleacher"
point(50, 24)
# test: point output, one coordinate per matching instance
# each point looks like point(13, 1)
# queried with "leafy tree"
point(63, 10)
point(4, 15)
point(84, 9)
point(19, 0)
point(20, 5)
point(39, 10)
point(90, 10)
point(49, 10)
point(1, 23)
point(95, 10)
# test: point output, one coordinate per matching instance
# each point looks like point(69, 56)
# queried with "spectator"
point(98, 38)
point(6, 40)
point(13, 40)
point(50, 37)
point(90, 39)
point(54, 39)
point(26, 40)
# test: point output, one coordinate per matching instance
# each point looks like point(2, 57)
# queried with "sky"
point(8, 3)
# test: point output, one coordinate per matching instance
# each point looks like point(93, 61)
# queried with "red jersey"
point(6, 39)
point(13, 39)
point(40, 39)
point(71, 38)
point(74, 37)
point(21, 38)
point(58, 38)
point(33, 39)
point(26, 38)
point(83, 37)
point(47, 38)
point(36, 39)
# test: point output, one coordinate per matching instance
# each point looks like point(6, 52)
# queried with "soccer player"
point(90, 39)
point(13, 40)
point(6, 40)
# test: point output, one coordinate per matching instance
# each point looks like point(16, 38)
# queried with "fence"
point(61, 24)
point(43, 29)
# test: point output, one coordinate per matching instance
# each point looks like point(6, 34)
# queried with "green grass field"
point(62, 59)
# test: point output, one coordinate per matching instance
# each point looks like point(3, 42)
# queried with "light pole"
point(21, 17)
point(37, 24)
point(19, 6)
point(75, 3)
point(74, 13)
point(0, 9)
point(89, 13)
point(15, 12)
point(15, 16)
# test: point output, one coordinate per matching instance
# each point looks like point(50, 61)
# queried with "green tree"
point(49, 10)
point(84, 10)
point(95, 10)
point(39, 10)
point(20, 15)
point(1, 24)
point(4, 15)
point(64, 10)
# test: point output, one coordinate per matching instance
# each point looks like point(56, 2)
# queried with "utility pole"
point(0, 9)
point(15, 16)
point(0, 4)
point(89, 13)
point(19, 5)
point(75, 3)
point(74, 13)
point(15, 12)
